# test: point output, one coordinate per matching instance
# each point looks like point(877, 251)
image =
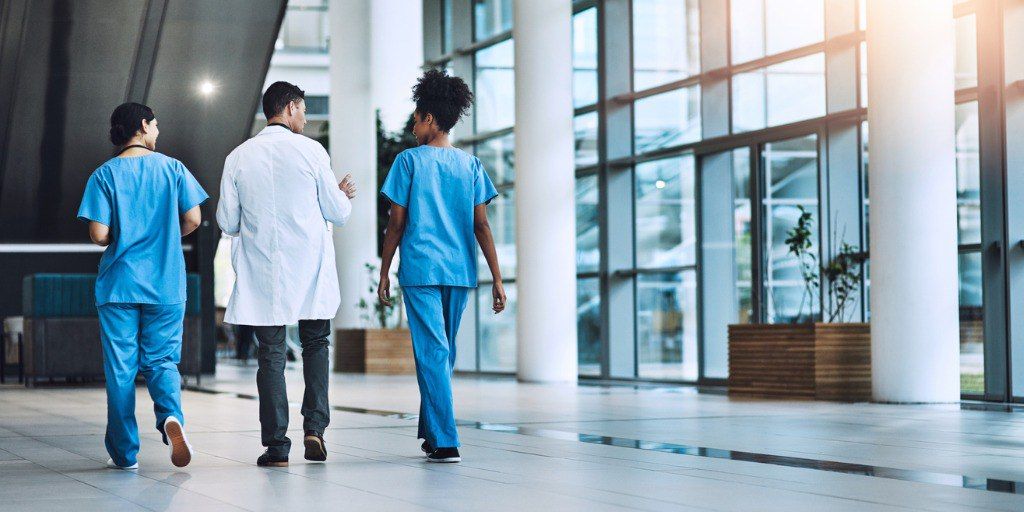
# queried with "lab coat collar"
point(274, 129)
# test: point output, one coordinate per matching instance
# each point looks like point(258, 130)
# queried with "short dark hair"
point(445, 97)
point(278, 96)
point(126, 120)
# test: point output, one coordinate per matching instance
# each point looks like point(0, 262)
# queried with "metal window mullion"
point(615, 139)
point(993, 188)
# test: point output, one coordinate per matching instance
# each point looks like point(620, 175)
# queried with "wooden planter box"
point(810, 361)
point(382, 351)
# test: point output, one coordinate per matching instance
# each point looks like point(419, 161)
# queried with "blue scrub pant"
point(434, 315)
point(139, 338)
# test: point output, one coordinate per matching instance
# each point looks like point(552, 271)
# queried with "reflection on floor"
point(526, 447)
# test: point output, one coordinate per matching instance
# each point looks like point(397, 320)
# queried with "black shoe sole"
point(273, 464)
point(315, 449)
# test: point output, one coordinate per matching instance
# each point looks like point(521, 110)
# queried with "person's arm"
point(99, 233)
point(392, 237)
point(190, 196)
point(97, 211)
point(190, 221)
point(229, 210)
point(334, 197)
point(482, 229)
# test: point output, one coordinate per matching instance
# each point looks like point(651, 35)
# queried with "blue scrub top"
point(440, 188)
point(141, 199)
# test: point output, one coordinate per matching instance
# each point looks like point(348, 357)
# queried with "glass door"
point(789, 172)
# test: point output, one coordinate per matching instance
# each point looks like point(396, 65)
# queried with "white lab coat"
point(277, 198)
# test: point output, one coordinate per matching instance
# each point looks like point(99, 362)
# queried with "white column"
point(353, 148)
point(545, 192)
point(914, 285)
point(396, 57)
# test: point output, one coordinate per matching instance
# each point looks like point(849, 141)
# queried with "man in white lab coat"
point(278, 199)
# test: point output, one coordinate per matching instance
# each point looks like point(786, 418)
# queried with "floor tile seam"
point(306, 476)
point(142, 475)
point(698, 472)
point(728, 454)
point(693, 471)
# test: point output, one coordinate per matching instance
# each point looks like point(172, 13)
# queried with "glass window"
point(584, 58)
point(727, 254)
point(665, 219)
point(972, 339)
point(491, 17)
point(667, 119)
point(498, 157)
point(968, 174)
point(585, 126)
point(497, 333)
point(742, 235)
point(791, 178)
point(495, 87)
point(666, 326)
point(305, 27)
point(588, 325)
point(501, 214)
point(966, 52)
point(666, 41)
point(447, 41)
point(779, 94)
point(866, 268)
point(588, 249)
point(968, 199)
point(761, 28)
point(864, 74)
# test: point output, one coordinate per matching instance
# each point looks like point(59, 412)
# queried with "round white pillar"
point(545, 195)
point(396, 57)
point(353, 149)
point(914, 283)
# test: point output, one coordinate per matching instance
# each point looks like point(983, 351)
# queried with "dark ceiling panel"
point(64, 66)
point(74, 60)
point(227, 43)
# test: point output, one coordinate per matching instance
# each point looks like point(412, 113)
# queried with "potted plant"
point(810, 357)
point(383, 345)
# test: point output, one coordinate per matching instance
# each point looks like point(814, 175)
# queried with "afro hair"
point(445, 97)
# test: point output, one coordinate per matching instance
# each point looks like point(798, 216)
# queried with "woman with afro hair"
point(439, 196)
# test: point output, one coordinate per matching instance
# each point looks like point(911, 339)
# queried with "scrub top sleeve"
point(190, 192)
point(483, 188)
point(399, 181)
point(96, 202)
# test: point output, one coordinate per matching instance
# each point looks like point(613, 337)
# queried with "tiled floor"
point(536, 448)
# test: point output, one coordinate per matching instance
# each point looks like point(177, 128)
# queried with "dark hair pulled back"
point(445, 97)
point(126, 120)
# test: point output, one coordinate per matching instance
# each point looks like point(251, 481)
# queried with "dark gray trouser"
point(271, 385)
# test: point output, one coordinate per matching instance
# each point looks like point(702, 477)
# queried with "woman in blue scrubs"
point(138, 205)
point(439, 197)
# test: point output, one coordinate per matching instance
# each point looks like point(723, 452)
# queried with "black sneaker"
point(269, 461)
point(444, 455)
point(427, 449)
point(316, 449)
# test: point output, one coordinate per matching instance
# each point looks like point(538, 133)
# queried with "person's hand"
point(384, 290)
point(498, 294)
point(348, 186)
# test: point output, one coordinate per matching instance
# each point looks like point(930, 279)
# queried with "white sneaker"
point(111, 465)
point(181, 451)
